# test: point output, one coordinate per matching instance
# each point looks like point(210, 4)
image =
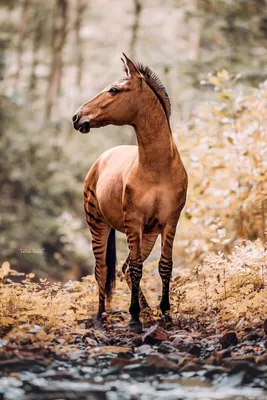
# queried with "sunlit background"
point(56, 54)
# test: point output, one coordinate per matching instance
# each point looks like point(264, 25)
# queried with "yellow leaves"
point(220, 79)
point(5, 271)
point(226, 166)
point(232, 287)
point(6, 321)
point(223, 74)
point(49, 314)
point(6, 267)
point(214, 80)
point(215, 240)
point(224, 96)
point(30, 276)
point(2, 275)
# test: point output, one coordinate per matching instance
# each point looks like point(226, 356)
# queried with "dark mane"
point(158, 88)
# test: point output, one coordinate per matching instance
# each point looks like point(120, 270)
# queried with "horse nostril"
point(74, 118)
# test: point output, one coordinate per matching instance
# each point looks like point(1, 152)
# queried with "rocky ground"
point(188, 360)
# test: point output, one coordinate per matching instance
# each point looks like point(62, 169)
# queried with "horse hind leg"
point(147, 246)
point(100, 236)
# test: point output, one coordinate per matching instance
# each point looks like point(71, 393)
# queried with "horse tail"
point(111, 263)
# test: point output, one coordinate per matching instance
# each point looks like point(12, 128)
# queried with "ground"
point(52, 348)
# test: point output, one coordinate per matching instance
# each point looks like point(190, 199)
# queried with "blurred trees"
point(59, 33)
point(59, 53)
point(228, 193)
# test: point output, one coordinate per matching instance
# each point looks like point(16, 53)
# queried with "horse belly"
point(111, 209)
point(109, 196)
point(111, 167)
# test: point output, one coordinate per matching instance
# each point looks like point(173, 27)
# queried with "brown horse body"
point(139, 190)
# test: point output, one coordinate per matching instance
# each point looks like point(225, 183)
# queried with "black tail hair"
point(111, 263)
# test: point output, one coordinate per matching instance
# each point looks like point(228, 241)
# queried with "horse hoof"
point(135, 327)
point(100, 320)
point(166, 320)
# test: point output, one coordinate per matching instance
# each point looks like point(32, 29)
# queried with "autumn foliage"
point(224, 231)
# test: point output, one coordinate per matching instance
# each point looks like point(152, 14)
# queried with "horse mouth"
point(85, 127)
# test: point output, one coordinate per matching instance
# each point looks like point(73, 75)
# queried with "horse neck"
point(156, 147)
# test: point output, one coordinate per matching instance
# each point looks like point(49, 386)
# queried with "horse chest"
point(153, 204)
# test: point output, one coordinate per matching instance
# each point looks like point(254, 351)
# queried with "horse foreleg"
point(148, 242)
point(165, 267)
point(142, 300)
point(135, 272)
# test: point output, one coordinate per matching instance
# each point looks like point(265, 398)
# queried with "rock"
point(228, 339)
point(262, 360)
point(217, 356)
point(166, 347)
point(194, 349)
point(137, 341)
point(26, 341)
point(155, 335)
point(179, 337)
point(211, 372)
point(250, 371)
point(190, 367)
point(144, 349)
point(265, 327)
point(238, 364)
point(160, 362)
point(187, 345)
point(126, 355)
point(251, 337)
point(35, 329)
point(175, 357)
point(90, 342)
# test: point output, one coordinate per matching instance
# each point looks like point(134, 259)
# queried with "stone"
point(161, 362)
point(155, 335)
point(144, 349)
point(228, 339)
point(90, 342)
point(187, 345)
point(166, 347)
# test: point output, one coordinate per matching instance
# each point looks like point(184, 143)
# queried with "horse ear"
point(125, 69)
point(130, 68)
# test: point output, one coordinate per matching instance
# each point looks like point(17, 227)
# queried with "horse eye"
point(114, 90)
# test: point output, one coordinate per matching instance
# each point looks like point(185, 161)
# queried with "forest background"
point(57, 54)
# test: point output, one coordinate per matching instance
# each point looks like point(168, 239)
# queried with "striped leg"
point(135, 272)
point(100, 231)
point(125, 269)
point(147, 246)
point(165, 268)
point(99, 242)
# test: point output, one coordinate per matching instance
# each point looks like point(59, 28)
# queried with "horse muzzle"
point(83, 127)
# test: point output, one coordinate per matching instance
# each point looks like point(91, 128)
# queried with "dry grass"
point(226, 289)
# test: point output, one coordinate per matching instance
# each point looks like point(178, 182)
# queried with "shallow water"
point(63, 380)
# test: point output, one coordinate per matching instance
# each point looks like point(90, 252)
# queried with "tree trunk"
point(58, 41)
point(37, 37)
point(135, 27)
point(21, 33)
point(80, 8)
